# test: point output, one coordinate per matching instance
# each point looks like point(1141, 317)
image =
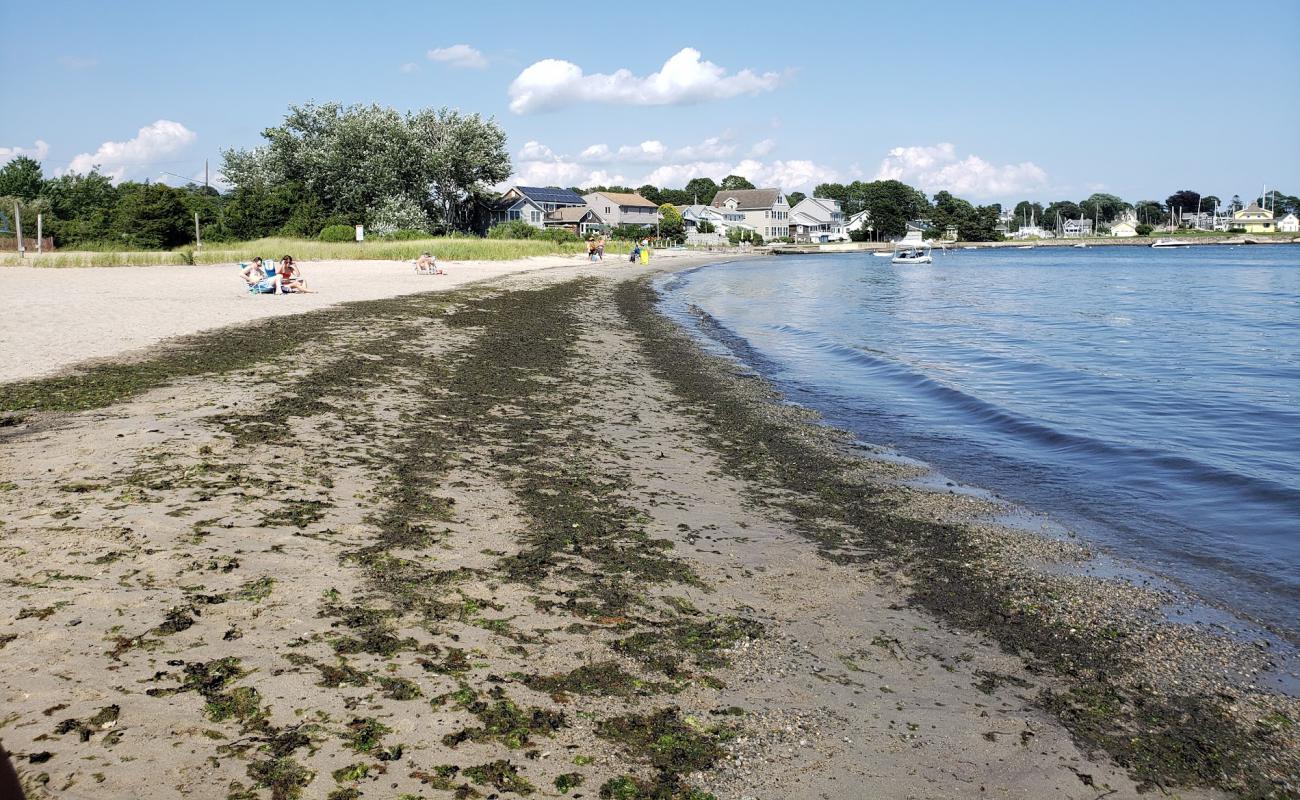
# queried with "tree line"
point(431, 172)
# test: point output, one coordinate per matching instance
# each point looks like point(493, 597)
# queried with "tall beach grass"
point(445, 248)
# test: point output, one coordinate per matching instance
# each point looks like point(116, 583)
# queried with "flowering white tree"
point(357, 160)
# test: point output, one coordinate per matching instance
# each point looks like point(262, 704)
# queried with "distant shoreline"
point(1103, 241)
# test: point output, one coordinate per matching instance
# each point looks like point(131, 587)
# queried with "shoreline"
point(1235, 240)
point(534, 517)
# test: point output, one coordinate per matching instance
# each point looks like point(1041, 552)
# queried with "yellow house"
point(1253, 219)
point(1123, 229)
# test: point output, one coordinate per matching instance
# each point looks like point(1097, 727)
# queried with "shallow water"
point(1149, 399)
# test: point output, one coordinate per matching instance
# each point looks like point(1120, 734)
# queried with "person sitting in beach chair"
point(291, 278)
point(260, 280)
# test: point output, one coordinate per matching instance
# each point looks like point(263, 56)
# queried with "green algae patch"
point(602, 679)
point(500, 775)
point(502, 721)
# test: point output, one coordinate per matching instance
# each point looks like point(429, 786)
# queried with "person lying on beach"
point(291, 277)
point(259, 282)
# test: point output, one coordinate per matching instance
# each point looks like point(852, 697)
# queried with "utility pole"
point(205, 174)
point(18, 223)
point(198, 239)
point(40, 239)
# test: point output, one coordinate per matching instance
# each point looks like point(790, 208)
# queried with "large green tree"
point(701, 190)
point(149, 216)
point(1150, 212)
point(1183, 201)
point(1103, 207)
point(21, 177)
point(357, 161)
point(671, 227)
point(734, 182)
point(81, 207)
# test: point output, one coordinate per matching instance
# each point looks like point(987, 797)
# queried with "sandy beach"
point(51, 319)
point(524, 538)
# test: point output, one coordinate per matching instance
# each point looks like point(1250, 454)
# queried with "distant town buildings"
point(1289, 224)
point(1076, 228)
point(619, 208)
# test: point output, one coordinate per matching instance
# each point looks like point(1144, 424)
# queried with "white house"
point(860, 221)
point(531, 204)
point(765, 209)
point(818, 219)
point(1076, 228)
point(1289, 224)
point(722, 219)
point(618, 208)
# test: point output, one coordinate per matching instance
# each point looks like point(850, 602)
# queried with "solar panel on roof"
point(546, 194)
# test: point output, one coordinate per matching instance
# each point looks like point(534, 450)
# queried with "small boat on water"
point(972, 247)
point(1080, 244)
point(913, 255)
point(884, 254)
point(1025, 247)
point(1170, 243)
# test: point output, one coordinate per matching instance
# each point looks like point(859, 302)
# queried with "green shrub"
point(407, 234)
point(632, 233)
point(558, 235)
point(1143, 229)
point(337, 233)
point(514, 229)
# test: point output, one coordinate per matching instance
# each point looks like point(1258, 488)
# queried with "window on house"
point(606, 209)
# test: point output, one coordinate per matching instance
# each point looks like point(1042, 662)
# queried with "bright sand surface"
point(51, 319)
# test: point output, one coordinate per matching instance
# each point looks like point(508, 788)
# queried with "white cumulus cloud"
point(115, 159)
point(461, 56)
point(684, 78)
point(762, 148)
point(647, 152)
point(935, 168)
point(712, 147)
point(409, 67)
point(38, 151)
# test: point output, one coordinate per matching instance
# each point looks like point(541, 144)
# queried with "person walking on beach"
point(600, 247)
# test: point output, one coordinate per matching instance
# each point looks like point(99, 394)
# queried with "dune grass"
point(446, 248)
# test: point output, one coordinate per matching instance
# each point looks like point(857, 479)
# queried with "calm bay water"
point(1148, 399)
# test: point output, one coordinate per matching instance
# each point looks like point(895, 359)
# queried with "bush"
point(632, 233)
point(514, 229)
point(396, 213)
point(558, 235)
point(338, 233)
point(1143, 229)
point(407, 234)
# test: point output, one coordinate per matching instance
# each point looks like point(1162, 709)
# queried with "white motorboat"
point(1080, 244)
point(883, 254)
point(913, 255)
point(1025, 247)
point(1170, 243)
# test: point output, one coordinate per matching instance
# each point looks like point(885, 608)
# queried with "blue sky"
point(991, 102)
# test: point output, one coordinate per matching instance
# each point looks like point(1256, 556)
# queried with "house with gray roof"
point(766, 210)
point(582, 220)
point(531, 204)
point(621, 208)
point(818, 220)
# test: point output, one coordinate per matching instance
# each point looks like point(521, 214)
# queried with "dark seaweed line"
point(1162, 739)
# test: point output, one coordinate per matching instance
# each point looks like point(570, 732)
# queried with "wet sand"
point(523, 539)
